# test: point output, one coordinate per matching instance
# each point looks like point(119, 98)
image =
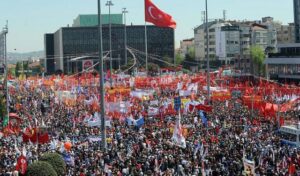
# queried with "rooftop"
point(84, 20)
point(288, 45)
point(283, 60)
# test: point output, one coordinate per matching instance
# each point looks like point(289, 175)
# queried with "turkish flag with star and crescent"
point(21, 164)
point(159, 18)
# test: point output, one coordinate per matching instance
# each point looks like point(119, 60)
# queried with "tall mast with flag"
point(157, 17)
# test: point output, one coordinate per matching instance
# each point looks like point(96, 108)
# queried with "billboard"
point(86, 64)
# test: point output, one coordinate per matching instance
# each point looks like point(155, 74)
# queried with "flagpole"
point(103, 127)
point(146, 47)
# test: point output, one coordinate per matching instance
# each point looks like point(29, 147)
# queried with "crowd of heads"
point(219, 147)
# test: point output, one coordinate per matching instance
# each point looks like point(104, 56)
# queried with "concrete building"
point(286, 33)
point(230, 41)
point(297, 20)
point(227, 42)
point(264, 36)
point(185, 45)
point(200, 40)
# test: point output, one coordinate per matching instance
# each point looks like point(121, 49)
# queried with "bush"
point(56, 161)
point(40, 168)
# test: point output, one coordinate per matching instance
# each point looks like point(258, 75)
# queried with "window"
point(230, 55)
point(211, 36)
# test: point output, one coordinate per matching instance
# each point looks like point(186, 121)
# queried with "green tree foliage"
point(56, 162)
point(179, 59)
point(3, 110)
point(191, 52)
point(40, 168)
point(25, 67)
point(18, 69)
point(258, 58)
point(190, 59)
point(128, 65)
point(152, 67)
point(169, 60)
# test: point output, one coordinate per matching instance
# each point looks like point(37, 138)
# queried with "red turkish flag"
point(159, 18)
point(21, 164)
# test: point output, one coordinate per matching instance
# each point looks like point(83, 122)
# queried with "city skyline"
point(30, 20)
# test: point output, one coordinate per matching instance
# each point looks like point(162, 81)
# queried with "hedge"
point(40, 168)
point(56, 161)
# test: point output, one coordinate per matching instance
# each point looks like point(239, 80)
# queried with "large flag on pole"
point(178, 138)
point(156, 16)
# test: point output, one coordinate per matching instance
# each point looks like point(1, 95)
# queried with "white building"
point(227, 42)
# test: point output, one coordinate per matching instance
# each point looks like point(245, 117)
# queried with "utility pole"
point(124, 11)
point(100, 50)
point(109, 4)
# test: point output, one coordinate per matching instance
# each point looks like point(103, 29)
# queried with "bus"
point(290, 135)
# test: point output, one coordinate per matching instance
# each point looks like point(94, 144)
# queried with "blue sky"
point(30, 19)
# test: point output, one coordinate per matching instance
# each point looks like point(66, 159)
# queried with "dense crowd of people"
point(218, 146)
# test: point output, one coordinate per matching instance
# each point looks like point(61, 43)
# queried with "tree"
point(190, 59)
point(269, 50)
point(128, 65)
point(258, 58)
point(40, 168)
point(170, 61)
point(18, 69)
point(56, 162)
point(191, 52)
point(3, 110)
point(152, 67)
point(179, 59)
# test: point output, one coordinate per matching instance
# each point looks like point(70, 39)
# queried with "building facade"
point(200, 40)
point(227, 42)
point(230, 41)
point(286, 33)
point(69, 43)
point(88, 20)
point(284, 65)
point(185, 45)
point(297, 20)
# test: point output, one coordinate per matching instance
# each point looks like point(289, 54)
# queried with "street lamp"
point(207, 57)
point(4, 33)
point(124, 11)
point(100, 48)
point(109, 4)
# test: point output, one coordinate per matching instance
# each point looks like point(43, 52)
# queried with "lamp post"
point(4, 33)
point(124, 11)
point(207, 57)
point(100, 48)
point(109, 4)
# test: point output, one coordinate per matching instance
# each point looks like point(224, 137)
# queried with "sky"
point(29, 20)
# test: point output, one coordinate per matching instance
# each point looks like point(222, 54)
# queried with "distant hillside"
point(13, 58)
